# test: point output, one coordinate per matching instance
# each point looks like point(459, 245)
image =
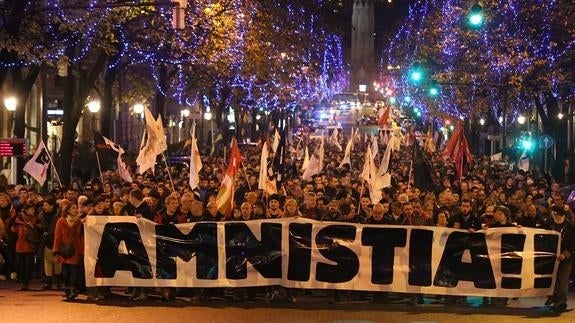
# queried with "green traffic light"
point(476, 16)
point(416, 76)
point(527, 144)
point(416, 73)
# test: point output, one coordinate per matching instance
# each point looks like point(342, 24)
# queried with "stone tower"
point(363, 69)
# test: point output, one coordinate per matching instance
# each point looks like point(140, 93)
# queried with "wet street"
point(49, 306)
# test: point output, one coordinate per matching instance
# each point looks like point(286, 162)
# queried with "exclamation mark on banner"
point(511, 260)
point(545, 246)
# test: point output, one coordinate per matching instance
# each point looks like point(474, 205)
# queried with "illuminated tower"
point(362, 42)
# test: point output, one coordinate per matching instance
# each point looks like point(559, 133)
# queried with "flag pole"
point(99, 166)
point(168, 169)
point(54, 168)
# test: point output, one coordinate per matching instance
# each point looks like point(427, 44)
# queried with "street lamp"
point(138, 108)
point(521, 119)
point(10, 103)
point(94, 107)
point(208, 117)
point(482, 121)
point(184, 114)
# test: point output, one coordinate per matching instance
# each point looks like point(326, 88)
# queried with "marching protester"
point(69, 248)
point(481, 198)
point(27, 227)
point(559, 223)
point(49, 217)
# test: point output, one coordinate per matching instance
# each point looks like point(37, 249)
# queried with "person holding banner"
point(559, 223)
point(501, 219)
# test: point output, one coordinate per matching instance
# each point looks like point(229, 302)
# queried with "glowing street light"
point(482, 121)
point(94, 106)
point(521, 119)
point(10, 103)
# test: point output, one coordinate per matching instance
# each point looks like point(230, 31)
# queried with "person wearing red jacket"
point(27, 227)
point(69, 248)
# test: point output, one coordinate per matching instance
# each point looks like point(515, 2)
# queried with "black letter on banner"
point(327, 241)
point(384, 242)
point(201, 242)
point(264, 255)
point(451, 269)
point(110, 260)
point(420, 246)
point(299, 251)
point(545, 257)
point(511, 262)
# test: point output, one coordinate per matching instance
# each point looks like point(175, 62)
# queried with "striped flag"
point(225, 198)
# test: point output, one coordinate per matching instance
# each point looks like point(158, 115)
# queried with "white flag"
point(38, 165)
point(374, 146)
point(155, 142)
point(312, 169)
point(305, 163)
point(347, 156)
point(369, 174)
point(384, 165)
point(334, 139)
point(195, 162)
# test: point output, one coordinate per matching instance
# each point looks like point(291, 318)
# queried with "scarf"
point(72, 219)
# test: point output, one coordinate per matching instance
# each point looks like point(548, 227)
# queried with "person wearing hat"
point(559, 223)
point(274, 210)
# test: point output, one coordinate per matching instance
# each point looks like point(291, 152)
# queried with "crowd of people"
point(42, 234)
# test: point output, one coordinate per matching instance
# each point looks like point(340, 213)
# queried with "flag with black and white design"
point(38, 165)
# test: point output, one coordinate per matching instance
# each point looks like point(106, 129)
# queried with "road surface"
point(49, 306)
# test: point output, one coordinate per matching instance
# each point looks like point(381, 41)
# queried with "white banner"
point(301, 253)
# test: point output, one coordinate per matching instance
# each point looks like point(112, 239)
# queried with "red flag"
point(225, 198)
point(457, 150)
point(383, 117)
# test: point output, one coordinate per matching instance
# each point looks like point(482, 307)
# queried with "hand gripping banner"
point(301, 253)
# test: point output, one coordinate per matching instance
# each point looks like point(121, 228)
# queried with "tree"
point(521, 55)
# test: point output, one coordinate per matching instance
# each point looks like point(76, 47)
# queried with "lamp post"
point(10, 104)
point(208, 117)
point(138, 111)
point(94, 107)
point(185, 114)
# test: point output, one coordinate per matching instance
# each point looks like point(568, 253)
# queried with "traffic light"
point(525, 142)
point(416, 74)
point(434, 89)
point(476, 16)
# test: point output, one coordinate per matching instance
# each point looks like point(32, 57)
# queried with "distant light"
point(560, 115)
point(94, 106)
point(407, 99)
point(451, 127)
point(392, 100)
point(10, 103)
point(185, 113)
point(521, 119)
point(208, 116)
point(482, 121)
point(500, 119)
point(362, 88)
point(258, 117)
point(138, 108)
